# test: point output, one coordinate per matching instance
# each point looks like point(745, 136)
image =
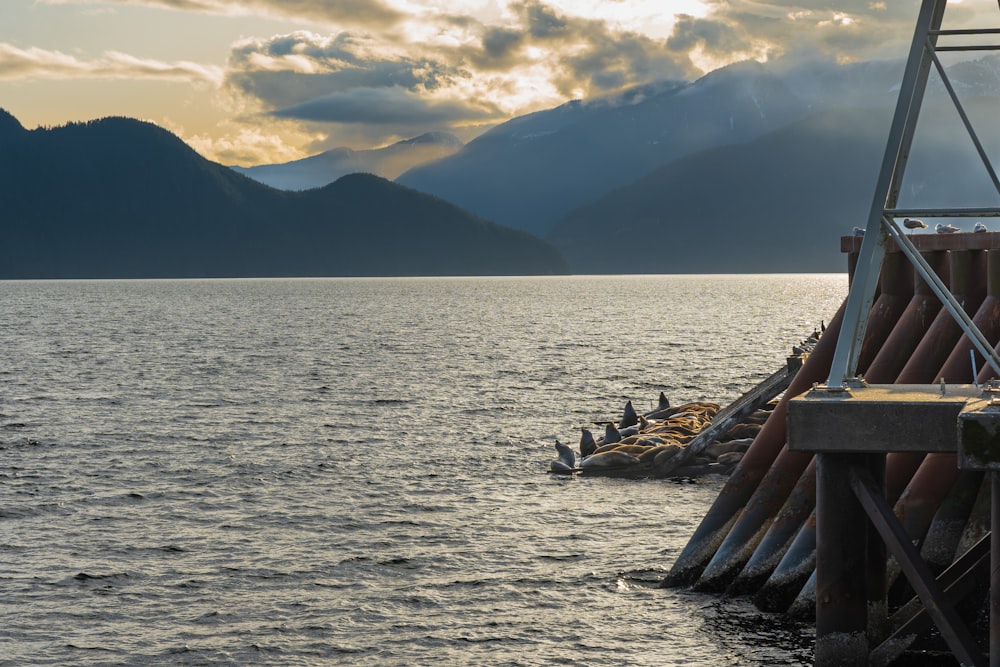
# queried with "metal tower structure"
point(882, 225)
point(851, 426)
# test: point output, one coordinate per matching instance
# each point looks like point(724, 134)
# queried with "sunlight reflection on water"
point(354, 470)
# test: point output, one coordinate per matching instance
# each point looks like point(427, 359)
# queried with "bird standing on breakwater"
point(980, 227)
point(946, 229)
point(913, 223)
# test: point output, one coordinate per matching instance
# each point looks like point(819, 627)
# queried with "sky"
point(265, 81)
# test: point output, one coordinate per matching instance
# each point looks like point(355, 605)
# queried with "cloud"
point(350, 80)
point(380, 70)
point(244, 143)
point(768, 29)
point(334, 12)
point(442, 71)
point(291, 69)
point(35, 63)
point(582, 56)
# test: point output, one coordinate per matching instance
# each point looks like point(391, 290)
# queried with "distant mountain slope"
point(322, 169)
point(776, 204)
point(530, 171)
point(123, 198)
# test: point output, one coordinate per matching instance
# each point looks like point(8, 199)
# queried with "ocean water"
point(354, 471)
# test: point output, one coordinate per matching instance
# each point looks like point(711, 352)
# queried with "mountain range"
point(603, 179)
point(752, 168)
point(529, 172)
point(324, 168)
point(780, 202)
point(122, 198)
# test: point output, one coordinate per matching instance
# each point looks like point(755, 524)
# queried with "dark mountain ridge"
point(122, 198)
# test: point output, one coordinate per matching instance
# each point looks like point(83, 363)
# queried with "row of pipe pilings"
point(759, 536)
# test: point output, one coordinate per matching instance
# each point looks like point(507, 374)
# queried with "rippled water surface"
point(353, 471)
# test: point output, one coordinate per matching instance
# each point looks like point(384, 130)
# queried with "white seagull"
point(913, 223)
point(858, 231)
point(946, 229)
point(980, 227)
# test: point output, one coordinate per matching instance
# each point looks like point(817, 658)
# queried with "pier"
point(814, 502)
point(870, 502)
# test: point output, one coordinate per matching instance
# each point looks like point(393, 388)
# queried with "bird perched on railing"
point(913, 223)
point(858, 231)
point(946, 229)
point(980, 227)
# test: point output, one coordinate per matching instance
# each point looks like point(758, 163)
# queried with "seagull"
point(946, 229)
point(858, 231)
point(913, 223)
point(980, 227)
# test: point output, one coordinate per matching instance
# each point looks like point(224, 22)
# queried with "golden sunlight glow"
point(838, 19)
point(760, 52)
point(237, 143)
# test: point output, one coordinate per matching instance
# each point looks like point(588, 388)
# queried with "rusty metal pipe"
point(753, 466)
point(781, 535)
point(967, 277)
point(841, 587)
point(992, 290)
point(937, 472)
point(948, 525)
point(796, 565)
point(979, 519)
point(912, 325)
point(779, 590)
point(784, 474)
point(957, 368)
point(804, 607)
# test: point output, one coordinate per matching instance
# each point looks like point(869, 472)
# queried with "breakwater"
point(684, 441)
point(759, 538)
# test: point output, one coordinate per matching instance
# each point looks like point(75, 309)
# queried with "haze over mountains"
point(123, 198)
point(750, 169)
point(532, 170)
point(772, 163)
point(326, 167)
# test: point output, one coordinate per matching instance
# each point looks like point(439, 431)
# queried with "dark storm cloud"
point(500, 47)
point(715, 36)
point(543, 23)
point(288, 70)
point(609, 65)
point(316, 78)
point(584, 55)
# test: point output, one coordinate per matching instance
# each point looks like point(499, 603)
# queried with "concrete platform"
point(879, 418)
